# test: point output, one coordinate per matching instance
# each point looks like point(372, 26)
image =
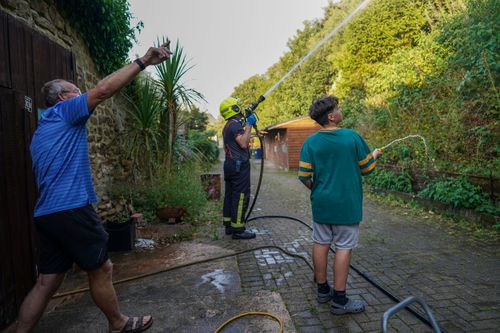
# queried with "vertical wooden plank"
point(5, 80)
point(8, 303)
point(73, 69)
point(30, 120)
point(17, 55)
point(59, 61)
point(28, 60)
point(55, 71)
point(63, 65)
point(17, 216)
point(41, 65)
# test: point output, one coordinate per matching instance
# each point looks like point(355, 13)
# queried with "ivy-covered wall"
point(106, 157)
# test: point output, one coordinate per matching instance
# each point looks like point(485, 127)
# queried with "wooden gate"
point(27, 60)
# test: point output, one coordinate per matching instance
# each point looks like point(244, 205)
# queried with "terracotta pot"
point(171, 214)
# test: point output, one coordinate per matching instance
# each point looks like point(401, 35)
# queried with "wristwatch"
point(140, 63)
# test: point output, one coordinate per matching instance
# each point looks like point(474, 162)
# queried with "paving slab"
point(194, 299)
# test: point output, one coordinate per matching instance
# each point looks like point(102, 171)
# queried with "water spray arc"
point(396, 141)
point(406, 137)
point(253, 106)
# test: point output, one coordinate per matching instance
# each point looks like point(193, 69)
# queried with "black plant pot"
point(121, 235)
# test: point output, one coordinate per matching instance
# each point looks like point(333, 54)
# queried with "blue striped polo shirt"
point(59, 152)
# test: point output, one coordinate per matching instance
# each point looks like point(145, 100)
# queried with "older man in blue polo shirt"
point(69, 229)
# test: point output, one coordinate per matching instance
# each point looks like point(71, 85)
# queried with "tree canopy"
point(428, 67)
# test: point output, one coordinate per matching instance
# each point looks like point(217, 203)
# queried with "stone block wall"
point(106, 155)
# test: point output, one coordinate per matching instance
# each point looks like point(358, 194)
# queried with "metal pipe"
point(404, 305)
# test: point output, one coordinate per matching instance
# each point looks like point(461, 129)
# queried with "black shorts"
point(71, 236)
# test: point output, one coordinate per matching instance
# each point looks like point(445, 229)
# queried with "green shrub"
point(201, 143)
point(182, 188)
point(489, 208)
point(458, 192)
point(383, 179)
point(185, 189)
point(144, 197)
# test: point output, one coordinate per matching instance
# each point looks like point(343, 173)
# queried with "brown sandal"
point(136, 325)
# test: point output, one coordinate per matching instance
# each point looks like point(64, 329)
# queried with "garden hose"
point(168, 269)
point(259, 182)
point(141, 276)
point(363, 275)
point(251, 314)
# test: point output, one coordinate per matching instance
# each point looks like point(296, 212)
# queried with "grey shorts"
point(344, 236)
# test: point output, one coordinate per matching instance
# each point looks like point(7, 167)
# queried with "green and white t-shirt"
point(336, 160)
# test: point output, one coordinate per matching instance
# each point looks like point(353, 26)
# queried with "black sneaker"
point(228, 230)
point(245, 234)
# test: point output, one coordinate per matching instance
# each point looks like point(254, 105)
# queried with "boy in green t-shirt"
point(332, 162)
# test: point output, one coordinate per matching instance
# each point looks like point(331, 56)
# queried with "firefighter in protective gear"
point(236, 135)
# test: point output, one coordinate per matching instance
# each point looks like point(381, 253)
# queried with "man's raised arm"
point(112, 83)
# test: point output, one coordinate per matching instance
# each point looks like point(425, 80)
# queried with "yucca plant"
point(170, 74)
point(143, 132)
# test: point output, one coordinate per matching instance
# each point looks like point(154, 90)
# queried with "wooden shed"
point(282, 142)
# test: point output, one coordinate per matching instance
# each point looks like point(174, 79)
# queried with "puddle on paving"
point(220, 279)
point(282, 277)
point(260, 231)
point(271, 257)
point(298, 243)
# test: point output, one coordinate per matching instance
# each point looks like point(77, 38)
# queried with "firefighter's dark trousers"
point(237, 193)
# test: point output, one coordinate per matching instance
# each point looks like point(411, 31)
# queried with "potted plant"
point(171, 214)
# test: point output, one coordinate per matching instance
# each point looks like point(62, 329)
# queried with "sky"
point(227, 41)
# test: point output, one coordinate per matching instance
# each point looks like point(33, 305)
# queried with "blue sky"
point(227, 40)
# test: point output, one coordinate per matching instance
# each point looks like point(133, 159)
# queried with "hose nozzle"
point(251, 109)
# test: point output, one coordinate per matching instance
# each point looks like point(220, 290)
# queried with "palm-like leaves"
point(144, 132)
point(170, 74)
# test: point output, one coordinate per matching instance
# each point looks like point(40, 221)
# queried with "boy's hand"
point(377, 153)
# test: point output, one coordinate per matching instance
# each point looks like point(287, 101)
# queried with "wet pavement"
point(406, 252)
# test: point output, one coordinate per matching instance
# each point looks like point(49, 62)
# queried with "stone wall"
point(108, 119)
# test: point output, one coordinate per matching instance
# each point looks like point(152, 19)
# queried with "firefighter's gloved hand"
point(251, 119)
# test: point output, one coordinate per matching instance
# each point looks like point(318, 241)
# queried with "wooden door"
point(27, 60)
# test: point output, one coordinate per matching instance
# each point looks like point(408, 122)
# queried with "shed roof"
point(302, 121)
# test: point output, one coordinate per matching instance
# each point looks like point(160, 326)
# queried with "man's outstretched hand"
point(156, 55)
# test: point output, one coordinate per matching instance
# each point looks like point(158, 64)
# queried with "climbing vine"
point(105, 28)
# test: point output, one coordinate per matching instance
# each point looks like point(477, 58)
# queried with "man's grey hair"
point(51, 91)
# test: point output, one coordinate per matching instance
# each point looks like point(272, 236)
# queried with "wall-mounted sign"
point(28, 104)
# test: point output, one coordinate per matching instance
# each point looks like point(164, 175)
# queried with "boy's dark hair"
point(321, 107)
